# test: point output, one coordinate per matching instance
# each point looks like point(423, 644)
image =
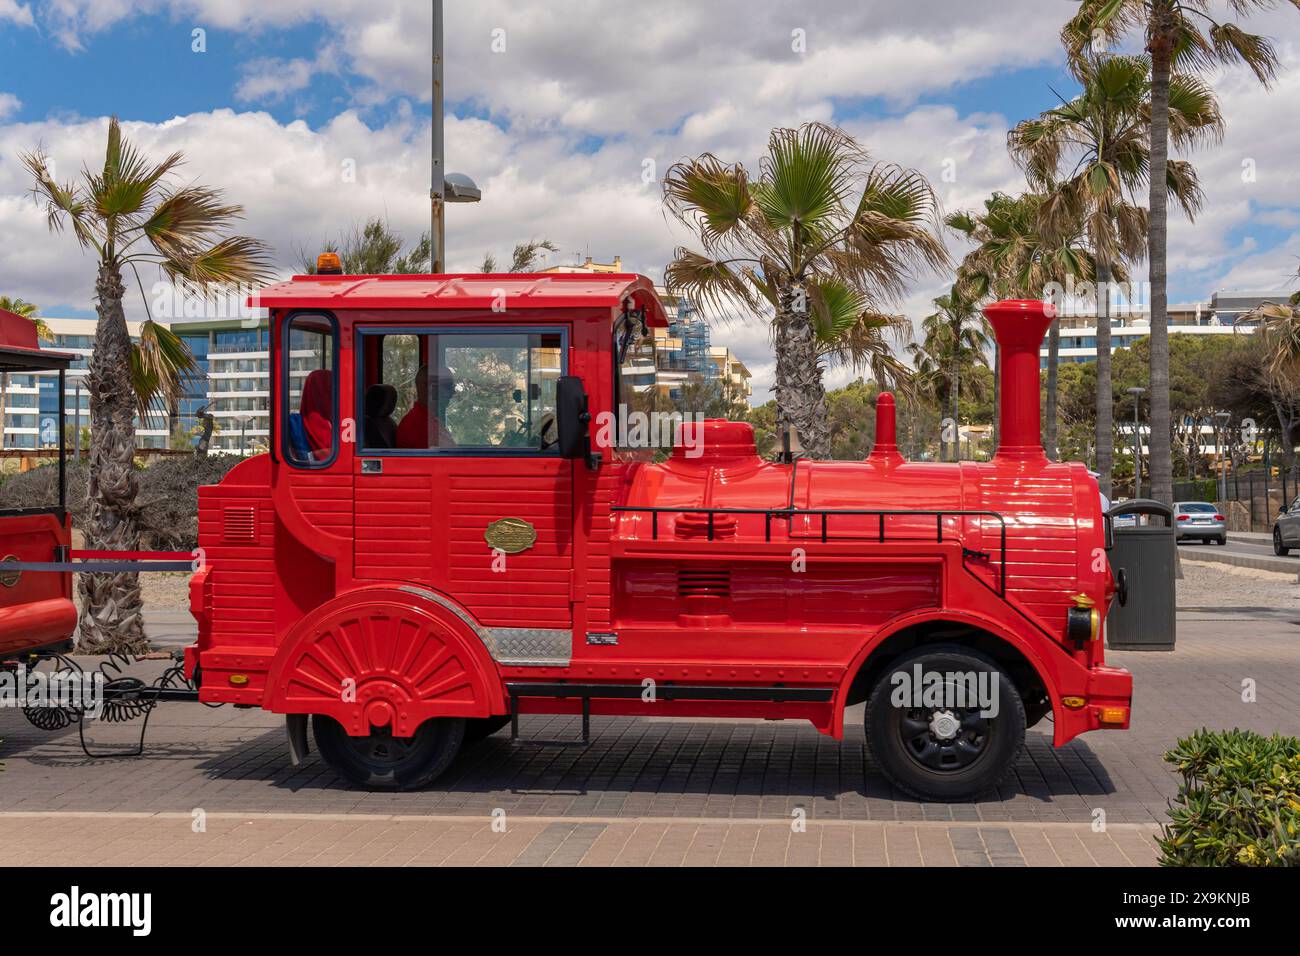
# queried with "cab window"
point(460, 392)
point(309, 376)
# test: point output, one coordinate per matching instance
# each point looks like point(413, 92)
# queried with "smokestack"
point(1019, 326)
point(885, 449)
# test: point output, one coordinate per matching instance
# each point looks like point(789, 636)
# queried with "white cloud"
point(14, 12)
point(585, 92)
point(9, 105)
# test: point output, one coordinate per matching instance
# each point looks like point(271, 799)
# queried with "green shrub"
point(1239, 802)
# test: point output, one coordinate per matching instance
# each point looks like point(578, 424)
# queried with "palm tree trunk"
point(800, 394)
point(1105, 428)
point(111, 604)
point(1160, 461)
point(1053, 376)
point(997, 395)
point(954, 395)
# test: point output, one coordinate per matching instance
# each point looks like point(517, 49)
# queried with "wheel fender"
point(385, 656)
point(947, 614)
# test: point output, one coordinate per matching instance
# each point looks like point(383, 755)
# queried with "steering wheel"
point(548, 431)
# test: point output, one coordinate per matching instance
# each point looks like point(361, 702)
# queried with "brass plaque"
point(9, 578)
point(510, 535)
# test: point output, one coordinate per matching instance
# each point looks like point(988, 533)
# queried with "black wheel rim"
point(381, 751)
point(941, 754)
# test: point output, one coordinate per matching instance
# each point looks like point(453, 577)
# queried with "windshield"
point(1197, 508)
point(672, 374)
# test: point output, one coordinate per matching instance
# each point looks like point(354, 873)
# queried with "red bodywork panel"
point(749, 575)
point(36, 608)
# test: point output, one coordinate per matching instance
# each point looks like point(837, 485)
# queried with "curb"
point(1276, 565)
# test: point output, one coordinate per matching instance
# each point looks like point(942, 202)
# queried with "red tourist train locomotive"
point(446, 535)
point(448, 532)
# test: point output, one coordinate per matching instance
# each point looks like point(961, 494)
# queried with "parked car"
point(1286, 529)
point(1200, 521)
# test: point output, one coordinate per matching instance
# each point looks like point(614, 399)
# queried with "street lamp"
point(448, 187)
point(1137, 393)
point(1221, 421)
point(243, 432)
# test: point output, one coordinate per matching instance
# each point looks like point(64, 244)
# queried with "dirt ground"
point(163, 591)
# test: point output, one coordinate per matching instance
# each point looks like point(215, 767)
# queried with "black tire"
point(481, 728)
point(982, 750)
point(1279, 548)
point(384, 762)
point(1223, 541)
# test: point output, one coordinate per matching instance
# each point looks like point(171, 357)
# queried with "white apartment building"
point(31, 413)
point(1218, 316)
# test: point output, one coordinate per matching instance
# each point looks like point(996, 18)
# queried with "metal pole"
point(438, 226)
point(63, 453)
point(1218, 461)
point(76, 418)
point(1136, 392)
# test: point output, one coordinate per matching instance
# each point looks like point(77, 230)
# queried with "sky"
point(314, 116)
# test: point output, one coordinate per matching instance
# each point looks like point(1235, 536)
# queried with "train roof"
point(20, 349)
point(467, 291)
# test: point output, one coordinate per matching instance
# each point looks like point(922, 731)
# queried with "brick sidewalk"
point(126, 839)
point(693, 779)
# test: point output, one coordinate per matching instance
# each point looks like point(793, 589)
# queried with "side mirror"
point(572, 420)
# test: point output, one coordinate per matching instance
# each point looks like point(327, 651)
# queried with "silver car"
point(1200, 521)
point(1286, 529)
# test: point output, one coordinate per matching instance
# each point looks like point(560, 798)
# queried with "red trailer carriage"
point(36, 610)
point(446, 534)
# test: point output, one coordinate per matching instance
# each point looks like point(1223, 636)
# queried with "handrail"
point(825, 514)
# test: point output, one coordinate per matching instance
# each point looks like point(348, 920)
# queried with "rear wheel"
point(1223, 540)
point(1279, 548)
point(934, 742)
point(381, 761)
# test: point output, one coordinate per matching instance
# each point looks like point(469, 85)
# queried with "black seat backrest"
point(381, 430)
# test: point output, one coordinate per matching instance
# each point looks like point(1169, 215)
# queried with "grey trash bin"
point(1142, 618)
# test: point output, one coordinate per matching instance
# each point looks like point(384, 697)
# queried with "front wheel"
point(381, 761)
point(944, 723)
point(1279, 548)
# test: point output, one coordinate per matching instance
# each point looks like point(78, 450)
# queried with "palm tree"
point(821, 239)
point(1100, 140)
point(129, 215)
point(954, 343)
point(1014, 259)
point(1180, 34)
point(946, 358)
point(1279, 329)
point(28, 311)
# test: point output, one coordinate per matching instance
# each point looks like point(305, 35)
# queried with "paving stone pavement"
point(354, 839)
point(647, 790)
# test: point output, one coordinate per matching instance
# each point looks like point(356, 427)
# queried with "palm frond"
point(708, 196)
point(61, 202)
point(185, 219)
point(712, 283)
point(233, 260)
point(160, 365)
